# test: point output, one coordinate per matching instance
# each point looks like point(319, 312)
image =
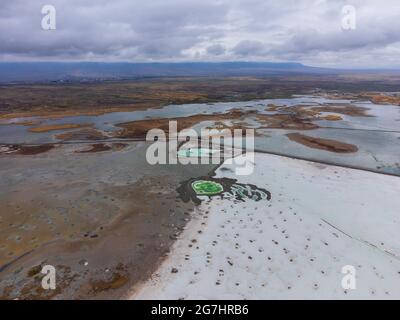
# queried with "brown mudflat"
point(322, 144)
point(139, 129)
point(349, 110)
point(104, 258)
point(380, 98)
point(285, 121)
point(17, 149)
point(83, 134)
point(54, 127)
point(331, 117)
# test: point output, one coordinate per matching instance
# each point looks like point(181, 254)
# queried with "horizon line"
point(345, 68)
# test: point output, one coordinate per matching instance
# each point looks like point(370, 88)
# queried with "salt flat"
point(320, 219)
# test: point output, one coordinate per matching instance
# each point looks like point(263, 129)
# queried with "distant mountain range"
point(11, 72)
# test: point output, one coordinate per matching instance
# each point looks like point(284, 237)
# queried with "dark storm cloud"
point(307, 31)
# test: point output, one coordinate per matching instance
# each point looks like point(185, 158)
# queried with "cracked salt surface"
point(320, 218)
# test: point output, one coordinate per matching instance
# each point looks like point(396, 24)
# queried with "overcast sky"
point(307, 31)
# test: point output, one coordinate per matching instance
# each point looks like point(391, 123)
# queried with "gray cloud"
point(248, 48)
point(216, 50)
point(307, 31)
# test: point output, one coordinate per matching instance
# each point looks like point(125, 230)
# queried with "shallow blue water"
point(377, 137)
